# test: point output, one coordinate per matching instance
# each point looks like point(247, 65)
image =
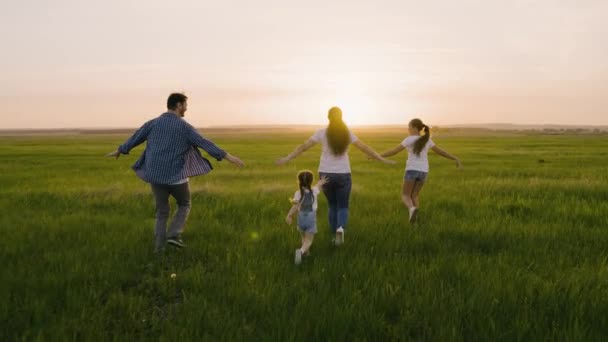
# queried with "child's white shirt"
point(417, 162)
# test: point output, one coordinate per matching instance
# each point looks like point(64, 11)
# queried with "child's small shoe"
point(298, 257)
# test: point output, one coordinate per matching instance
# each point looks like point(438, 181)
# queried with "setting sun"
point(358, 109)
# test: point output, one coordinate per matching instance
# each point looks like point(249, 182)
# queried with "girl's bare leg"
point(307, 242)
point(416, 192)
point(406, 194)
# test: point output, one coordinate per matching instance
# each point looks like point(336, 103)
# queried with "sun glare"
point(357, 109)
point(357, 103)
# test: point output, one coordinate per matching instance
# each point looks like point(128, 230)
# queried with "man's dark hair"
point(174, 99)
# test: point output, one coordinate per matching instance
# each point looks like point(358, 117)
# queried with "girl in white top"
point(335, 166)
point(418, 145)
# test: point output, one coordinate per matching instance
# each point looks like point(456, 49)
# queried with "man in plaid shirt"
point(170, 157)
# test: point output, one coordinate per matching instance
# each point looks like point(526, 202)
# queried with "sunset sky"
point(112, 63)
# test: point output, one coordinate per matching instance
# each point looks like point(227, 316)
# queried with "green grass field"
point(507, 248)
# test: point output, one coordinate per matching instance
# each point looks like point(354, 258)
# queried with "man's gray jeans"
point(181, 193)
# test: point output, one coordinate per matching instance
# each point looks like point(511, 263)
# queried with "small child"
point(418, 144)
point(305, 203)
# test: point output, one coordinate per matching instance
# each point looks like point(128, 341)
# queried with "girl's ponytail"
point(425, 135)
point(305, 179)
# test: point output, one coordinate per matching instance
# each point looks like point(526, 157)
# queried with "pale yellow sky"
point(69, 63)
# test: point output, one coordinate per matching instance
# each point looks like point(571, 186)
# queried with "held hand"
point(113, 154)
point(388, 161)
point(458, 164)
point(289, 220)
point(282, 161)
point(234, 160)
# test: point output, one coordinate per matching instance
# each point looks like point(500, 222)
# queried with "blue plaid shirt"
point(171, 152)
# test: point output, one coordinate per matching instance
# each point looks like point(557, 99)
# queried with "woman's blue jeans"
point(337, 192)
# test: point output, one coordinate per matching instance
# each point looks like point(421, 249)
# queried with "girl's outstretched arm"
point(299, 150)
point(371, 153)
point(292, 211)
point(393, 151)
point(445, 154)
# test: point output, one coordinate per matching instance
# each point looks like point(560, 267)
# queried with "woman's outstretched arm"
point(299, 150)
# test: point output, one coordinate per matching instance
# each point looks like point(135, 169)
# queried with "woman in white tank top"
point(334, 165)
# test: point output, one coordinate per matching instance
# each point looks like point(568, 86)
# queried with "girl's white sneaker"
point(413, 214)
point(298, 257)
